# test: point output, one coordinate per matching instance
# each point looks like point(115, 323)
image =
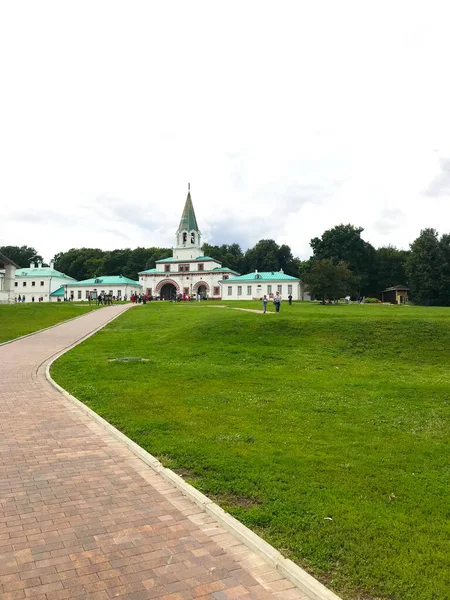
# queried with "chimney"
point(256, 271)
point(52, 264)
point(39, 264)
point(32, 265)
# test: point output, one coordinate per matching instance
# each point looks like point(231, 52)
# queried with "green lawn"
point(324, 428)
point(21, 319)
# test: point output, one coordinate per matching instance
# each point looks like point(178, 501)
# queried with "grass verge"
point(22, 319)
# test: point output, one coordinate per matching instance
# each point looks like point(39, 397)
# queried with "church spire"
point(188, 221)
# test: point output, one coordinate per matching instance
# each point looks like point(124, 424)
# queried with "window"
point(15, 284)
point(42, 283)
point(167, 268)
point(79, 294)
point(279, 288)
point(184, 237)
point(249, 290)
point(111, 292)
point(225, 276)
point(192, 238)
point(24, 284)
point(33, 283)
point(216, 291)
point(269, 289)
point(230, 290)
point(119, 294)
point(201, 267)
point(183, 268)
point(87, 294)
point(239, 290)
point(290, 289)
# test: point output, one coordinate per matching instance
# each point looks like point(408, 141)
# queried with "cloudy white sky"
point(287, 118)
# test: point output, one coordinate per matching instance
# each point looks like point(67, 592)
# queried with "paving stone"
point(82, 517)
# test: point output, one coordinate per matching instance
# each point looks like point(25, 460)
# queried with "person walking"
point(277, 302)
point(290, 299)
point(265, 300)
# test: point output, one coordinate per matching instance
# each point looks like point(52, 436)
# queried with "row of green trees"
point(425, 268)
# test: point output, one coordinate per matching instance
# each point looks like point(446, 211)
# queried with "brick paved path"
point(83, 517)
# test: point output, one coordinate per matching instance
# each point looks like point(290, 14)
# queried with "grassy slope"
point(21, 319)
point(290, 419)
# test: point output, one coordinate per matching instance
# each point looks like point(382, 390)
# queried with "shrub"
point(372, 300)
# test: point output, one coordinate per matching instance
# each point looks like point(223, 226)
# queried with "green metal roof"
point(188, 221)
point(206, 258)
point(58, 292)
point(263, 276)
point(225, 269)
point(147, 271)
point(106, 280)
point(41, 272)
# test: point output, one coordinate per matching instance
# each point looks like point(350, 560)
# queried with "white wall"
point(102, 287)
point(258, 290)
point(38, 291)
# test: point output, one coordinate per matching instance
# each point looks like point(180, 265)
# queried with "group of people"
point(276, 301)
point(139, 298)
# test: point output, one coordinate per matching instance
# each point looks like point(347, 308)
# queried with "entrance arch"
point(202, 288)
point(167, 288)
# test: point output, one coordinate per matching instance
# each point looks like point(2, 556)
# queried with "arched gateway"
point(167, 289)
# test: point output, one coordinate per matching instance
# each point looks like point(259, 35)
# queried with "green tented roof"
point(58, 292)
point(188, 221)
point(262, 276)
point(106, 280)
point(41, 272)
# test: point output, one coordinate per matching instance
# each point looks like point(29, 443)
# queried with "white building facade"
point(37, 283)
point(7, 275)
point(253, 286)
point(188, 272)
point(118, 286)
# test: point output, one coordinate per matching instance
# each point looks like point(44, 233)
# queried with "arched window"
point(192, 238)
point(184, 237)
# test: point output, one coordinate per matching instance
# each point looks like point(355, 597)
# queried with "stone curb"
point(304, 582)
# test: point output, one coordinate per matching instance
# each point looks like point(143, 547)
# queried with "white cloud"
point(287, 119)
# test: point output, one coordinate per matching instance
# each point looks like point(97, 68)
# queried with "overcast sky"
point(287, 118)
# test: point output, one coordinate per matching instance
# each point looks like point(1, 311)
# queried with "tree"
point(344, 243)
point(230, 255)
point(426, 268)
point(328, 281)
point(390, 267)
point(21, 255)
point(267, 255)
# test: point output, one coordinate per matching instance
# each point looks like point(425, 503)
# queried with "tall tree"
point(425, 267)
point(344, 243)
point(267, 255)
point(390, 267)
point(21, 255)
point(328, 280)
point(230, 255)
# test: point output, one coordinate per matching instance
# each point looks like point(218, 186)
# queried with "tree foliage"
point(21, 255)
point(390, 267)
point(84, 263)
point(344, 243)
point(328, 280)
point(428, 269)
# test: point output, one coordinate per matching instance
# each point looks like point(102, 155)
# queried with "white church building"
point(188, 272)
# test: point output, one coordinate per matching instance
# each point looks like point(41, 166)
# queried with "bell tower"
point(188, 236)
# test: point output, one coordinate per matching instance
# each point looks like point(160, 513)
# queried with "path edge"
point(299, 577)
